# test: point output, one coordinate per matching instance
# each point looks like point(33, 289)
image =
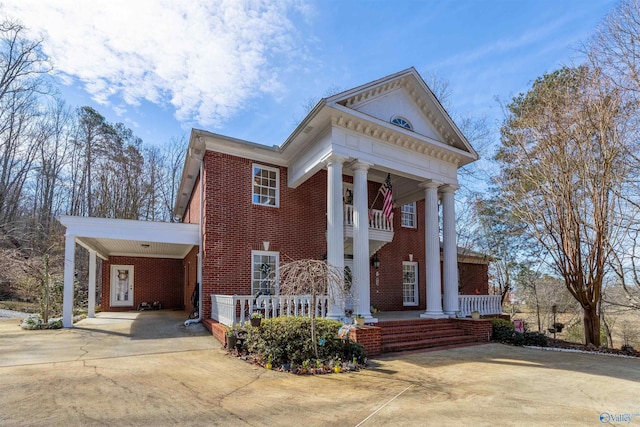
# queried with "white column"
point(432, 252)
point(335, 233)
point(449, 251)
point(91, 309)
point(361, 279)
point(69, 277)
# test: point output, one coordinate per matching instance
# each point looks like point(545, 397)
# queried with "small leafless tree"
point(310, 276)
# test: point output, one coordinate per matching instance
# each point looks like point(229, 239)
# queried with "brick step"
point(390, 330)
point(422, 335)
point(389, 347)
point(413, 322)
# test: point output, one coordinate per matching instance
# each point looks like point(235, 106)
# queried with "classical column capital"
point(430, 183)
point(333, 158)
point(361, 165)
point(449, 188)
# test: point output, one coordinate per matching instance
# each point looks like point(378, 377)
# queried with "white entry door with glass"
point(121, 285)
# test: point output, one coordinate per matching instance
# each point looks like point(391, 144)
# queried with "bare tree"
point(56, 130)
point(562, 165)
point(541, 292)
point(309, 276)
point(616, 51)
point(615, 48)
point(174, 155)
point(22, 68)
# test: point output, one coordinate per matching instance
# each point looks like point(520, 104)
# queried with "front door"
point(121, 285)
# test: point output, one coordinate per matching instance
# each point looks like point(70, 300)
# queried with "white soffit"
point(121, 237)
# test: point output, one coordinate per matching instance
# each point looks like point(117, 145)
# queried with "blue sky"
point(247, 69)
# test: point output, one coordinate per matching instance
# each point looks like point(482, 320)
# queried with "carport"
point(106, 238)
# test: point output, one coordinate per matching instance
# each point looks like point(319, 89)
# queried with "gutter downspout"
point(199, 274)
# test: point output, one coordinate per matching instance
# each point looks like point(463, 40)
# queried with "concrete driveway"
point(147, 369)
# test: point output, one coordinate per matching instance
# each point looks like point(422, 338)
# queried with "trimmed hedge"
point(504, 332)
point(288, 341)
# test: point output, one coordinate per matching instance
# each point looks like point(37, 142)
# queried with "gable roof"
point(352, 100)
point(365, 108)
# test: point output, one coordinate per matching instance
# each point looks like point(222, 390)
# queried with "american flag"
point(387, 205)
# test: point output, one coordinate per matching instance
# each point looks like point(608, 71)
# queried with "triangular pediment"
point(404, 95)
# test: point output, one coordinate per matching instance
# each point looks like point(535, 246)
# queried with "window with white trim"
point(409, 283)
point(266, 185)
point(264, 270)
point(409, 215)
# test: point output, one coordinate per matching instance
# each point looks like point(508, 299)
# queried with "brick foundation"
point(370, 337)
point(480, 329)
point(218, 330)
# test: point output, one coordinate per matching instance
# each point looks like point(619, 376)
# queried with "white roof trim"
point(129, 230)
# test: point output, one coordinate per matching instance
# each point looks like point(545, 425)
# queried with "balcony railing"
point(485, 304)
point(377, 220)
point(232, 310)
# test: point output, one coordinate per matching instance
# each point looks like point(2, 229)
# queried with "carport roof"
point(124, 237)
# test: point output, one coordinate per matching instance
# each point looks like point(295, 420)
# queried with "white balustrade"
point(232, 310)
point(348, 215)
point(377, 219)
point(485, 304)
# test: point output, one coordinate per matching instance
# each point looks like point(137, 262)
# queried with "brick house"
point(247, 208)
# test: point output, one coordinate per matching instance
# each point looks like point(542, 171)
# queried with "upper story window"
point(402, 122)
point(409, 215)
point(266, 186)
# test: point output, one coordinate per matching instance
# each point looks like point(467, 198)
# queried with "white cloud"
point(206, 58)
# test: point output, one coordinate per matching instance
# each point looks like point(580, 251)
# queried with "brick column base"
point(370, 337)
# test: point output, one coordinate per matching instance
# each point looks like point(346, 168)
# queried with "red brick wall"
point(192, 212)
point(480, 329)
point(190, 266)
point(474, 277)
point(154, 279)
point(387, 296)
point(370, 337)
point(233, 225)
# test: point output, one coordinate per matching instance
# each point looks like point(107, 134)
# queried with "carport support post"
point(69, 276)
point(91, 311)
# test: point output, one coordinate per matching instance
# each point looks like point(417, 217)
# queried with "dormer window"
point(402, 122)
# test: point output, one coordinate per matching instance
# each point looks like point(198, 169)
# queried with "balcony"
point(380, 230)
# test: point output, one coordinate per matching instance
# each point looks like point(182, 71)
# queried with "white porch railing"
point(232, 310)
point(485, 304)
point(377, 220)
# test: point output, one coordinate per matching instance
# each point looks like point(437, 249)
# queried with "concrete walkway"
point(148, 369)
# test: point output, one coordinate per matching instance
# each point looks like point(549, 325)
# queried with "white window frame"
point(254, 185)
point(275, 285)
point(401, 122)
point(414, 214)
point(416, 287)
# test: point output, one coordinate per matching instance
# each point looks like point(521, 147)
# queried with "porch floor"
point(391, 316)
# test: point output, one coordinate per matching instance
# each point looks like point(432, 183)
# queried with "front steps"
point(419, 334)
